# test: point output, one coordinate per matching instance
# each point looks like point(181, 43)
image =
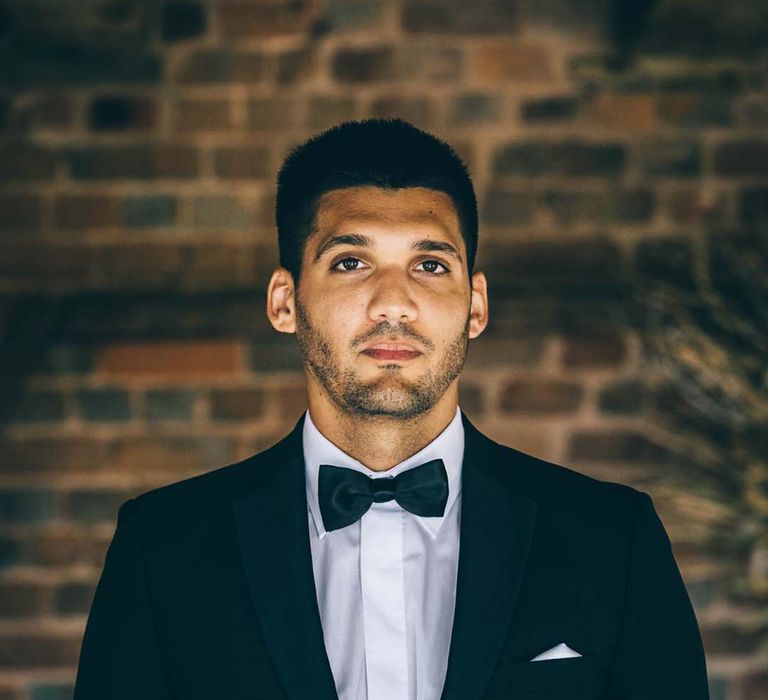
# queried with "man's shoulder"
point(559, 486)
point(572, 509)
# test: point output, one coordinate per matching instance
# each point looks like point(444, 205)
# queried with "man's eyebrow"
point(431, 246)
point(358, 239)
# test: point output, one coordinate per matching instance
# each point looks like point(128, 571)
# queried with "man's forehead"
point(378, 205)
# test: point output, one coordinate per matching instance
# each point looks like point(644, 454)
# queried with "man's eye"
point(350, 264)
point(432, 266)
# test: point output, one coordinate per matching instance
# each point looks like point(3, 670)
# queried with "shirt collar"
point(448, 446)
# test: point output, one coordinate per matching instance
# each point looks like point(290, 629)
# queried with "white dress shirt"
point(386, 584)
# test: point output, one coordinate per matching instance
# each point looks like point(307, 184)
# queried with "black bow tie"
point(346, 494)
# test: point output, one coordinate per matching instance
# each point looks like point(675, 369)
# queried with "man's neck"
point(381, 443)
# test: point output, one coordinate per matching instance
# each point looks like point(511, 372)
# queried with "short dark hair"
point(388, 153)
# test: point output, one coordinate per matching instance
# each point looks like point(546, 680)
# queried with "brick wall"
point(138, 147)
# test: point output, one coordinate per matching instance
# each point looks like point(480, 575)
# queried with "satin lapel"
point(496, 529)
point(274, 544)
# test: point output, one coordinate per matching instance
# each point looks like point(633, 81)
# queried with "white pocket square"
point(561, 651)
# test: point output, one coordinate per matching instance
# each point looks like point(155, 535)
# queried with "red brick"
point(39, 407)
point(56, 454)
point(136, 454)
point(149, 456)
point(182, 19)
point(237, 19)
point(34, 265)
point(617, 446)
point(271, 113)
point(43, 110)
point(60, 547)
point(742, 157)
point(631, 113)
point(203, 115)
point(276, 352)
point(19, 212)
point(753, 205)
point(217, 266)
point(556, 264)
point(23, 161)
point(507, 207)
point(352, 16)
point(547, 110)
point(140, 161)
point(171, 359)
point(28, 505)
point(461, 17)
point(622, 397)
point(221, 66)
point(291, 400)
point(429, 61)
point(242, 162)
point(666, 258)
point(297, 65)
point(122, 112)
point(691, 206)
point(10, 551)
point(23, 599)
point(694, 109)
point(223, 212)
point(471, 398)
point(674, 155)
point(474, 108)
point(143, 265)
point(363, 65)
point(517, 62)
point(540, 396)
point(596, 350)
point(43, 650)
point(754, 113)
point(12, 692)
point(74, 212)
point(569, 157)
point(755, 685)
point(730, 638)
point(74, 598)
point(94, 505)
point(487, 351)
point(324, 111)
point(593, 206)
point(237, 404)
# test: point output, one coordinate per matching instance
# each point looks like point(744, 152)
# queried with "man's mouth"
point(383, 353)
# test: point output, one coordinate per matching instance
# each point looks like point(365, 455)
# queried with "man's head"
point(386, 153)
point(382, 233)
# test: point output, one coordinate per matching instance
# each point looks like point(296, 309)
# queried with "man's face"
point(383, 306)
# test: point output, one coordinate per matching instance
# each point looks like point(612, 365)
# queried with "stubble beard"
point(390, 395)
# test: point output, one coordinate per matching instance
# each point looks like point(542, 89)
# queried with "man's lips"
point(391, 351)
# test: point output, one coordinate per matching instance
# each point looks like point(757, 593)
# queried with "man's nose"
point(392, 298)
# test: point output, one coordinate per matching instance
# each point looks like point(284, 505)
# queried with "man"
point(385, 549)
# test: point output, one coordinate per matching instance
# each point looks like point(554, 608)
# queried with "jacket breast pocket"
point(581, 676)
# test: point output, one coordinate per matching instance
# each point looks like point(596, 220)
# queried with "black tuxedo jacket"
point(207, 591)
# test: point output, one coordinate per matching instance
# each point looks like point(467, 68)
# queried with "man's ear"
point(478, 310)
point(281, 309)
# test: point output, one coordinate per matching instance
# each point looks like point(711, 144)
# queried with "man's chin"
point(377, 400)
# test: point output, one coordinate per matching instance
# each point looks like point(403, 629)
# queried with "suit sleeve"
point(659, 653)
point(119, 657)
